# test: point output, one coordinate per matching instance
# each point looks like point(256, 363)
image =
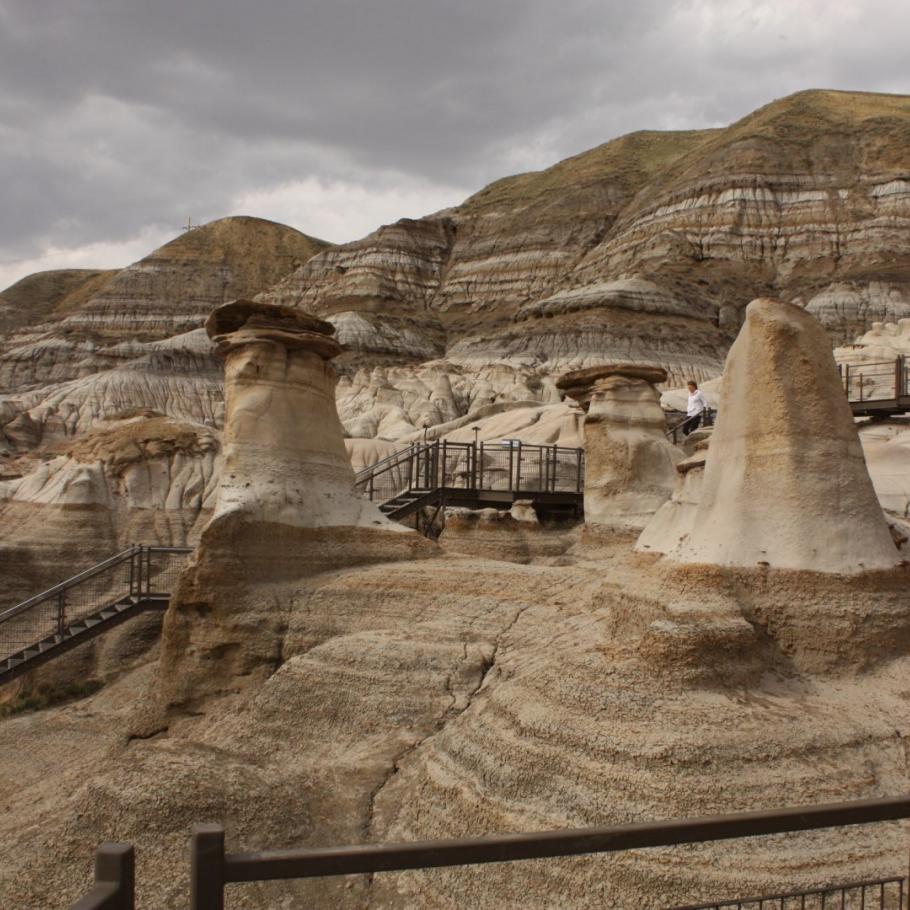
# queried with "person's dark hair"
point(692, 382)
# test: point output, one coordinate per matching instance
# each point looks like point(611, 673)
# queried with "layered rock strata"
point(785, 483)
point(84, 348)
point(629, 463)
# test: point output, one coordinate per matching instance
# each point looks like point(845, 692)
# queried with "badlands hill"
point(647, 247)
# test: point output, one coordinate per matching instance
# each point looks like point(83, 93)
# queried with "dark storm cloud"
point(119, 114)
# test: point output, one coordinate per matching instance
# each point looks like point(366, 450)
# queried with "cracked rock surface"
point(455, 696)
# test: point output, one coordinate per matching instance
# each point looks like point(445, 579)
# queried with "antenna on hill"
point(189, 226)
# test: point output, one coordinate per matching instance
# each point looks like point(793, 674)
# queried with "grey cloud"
point(119, 113)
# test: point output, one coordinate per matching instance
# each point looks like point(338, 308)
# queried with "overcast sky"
point(120, 119)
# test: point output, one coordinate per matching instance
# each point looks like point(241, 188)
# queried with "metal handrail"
point(76, 580)
point(212, 868)
point(397, 457)
point(97, 569)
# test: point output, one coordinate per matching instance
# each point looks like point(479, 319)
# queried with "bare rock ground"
point(458, 696)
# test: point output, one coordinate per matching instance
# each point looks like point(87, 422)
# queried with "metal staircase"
point(55, 621)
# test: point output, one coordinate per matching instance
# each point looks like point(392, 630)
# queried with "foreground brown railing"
point(213, 869)
point(115, 880)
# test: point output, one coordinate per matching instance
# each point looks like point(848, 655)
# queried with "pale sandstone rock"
point(785, 482)
point(674, 520)
point(850, 308)
point(887, 451)
point(286, 506)
point(515, 698)
point(629, 463)
point(515, 535)
point(284, 455)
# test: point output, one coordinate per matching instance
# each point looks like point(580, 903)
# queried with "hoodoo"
point(629, 464)
point(785, 482)
point(286, 507)
point(284, 454)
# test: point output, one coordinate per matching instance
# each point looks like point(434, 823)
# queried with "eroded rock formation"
point(785, 483)
point(629, 463)
point(286, 506)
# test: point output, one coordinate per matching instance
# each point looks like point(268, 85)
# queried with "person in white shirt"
point(695, 408)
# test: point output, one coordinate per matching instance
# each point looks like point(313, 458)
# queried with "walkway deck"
point(476, 476)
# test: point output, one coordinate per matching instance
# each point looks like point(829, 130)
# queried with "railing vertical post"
point(441, 479)
point(861, 386)
point(116, 864)
point(555, 467)
point(898, 378)
point(579, 455)
point(480, 469)
point(132, 570)
point(207, 868)
point(518, 469)
point(372, 477)
point(61, 612)
point(847, 380)
point(473, 465)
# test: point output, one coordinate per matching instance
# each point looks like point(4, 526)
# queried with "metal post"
point(847, 379)
point(861, 386)
point(898, 378)
point(518, 469)
point(579, 454)
point(207, 868)
point(441, 480)
point(480, 471)
point(371, 487)
point(61, 612)
point(116, 864)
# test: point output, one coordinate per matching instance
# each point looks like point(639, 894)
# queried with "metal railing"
point(139, 571)
point(506, 466)
point(212, 869)
point(887, 380)
point(115, 880)
point(875, 894)
point(708, 416)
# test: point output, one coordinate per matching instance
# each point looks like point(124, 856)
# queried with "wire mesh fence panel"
point(877, 894)
point(495, 466)
point(872, 381)
point(138, 572)
point(163, 568)
point(51, 612)
point(457, 466)
point(390, 477)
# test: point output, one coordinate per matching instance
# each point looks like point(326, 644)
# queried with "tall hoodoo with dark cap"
point(287, 509)
point(284, 454)
point(629, 464)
